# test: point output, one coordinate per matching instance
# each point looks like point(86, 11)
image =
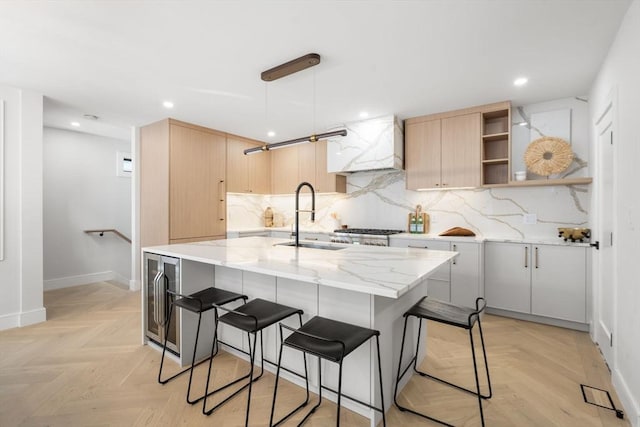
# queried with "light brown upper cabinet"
point(461, 151)
point(284, 170)
point(423, 154)
point(305, 162)
point(247, 173)
point(443, 153)
point(182, 183)
point(445, 150)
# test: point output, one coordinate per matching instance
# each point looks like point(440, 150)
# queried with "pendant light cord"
point(314, 102)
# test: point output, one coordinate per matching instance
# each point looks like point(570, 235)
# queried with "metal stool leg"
point(413, 362)
point(252, 358)
point(475, 369)
point(339, 394)
point(275, 389)
point(317, 405)
point(164, 349)
point(486, 363)
point(193, 361)
point(384, 420)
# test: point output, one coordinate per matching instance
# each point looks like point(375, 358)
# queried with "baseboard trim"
point(25, 318)
point(134, 285)
point(33, 316)
point(629, 402)
point(9, 321)
point(67, 282)
point(584, 327)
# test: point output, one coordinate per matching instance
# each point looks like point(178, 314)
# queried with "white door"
point(605, 290)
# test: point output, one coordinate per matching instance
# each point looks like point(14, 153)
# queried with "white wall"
point(82, 192)
point(21, 268)
point(620, 73)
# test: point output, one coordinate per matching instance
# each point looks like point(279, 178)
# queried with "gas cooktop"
point(371, 231)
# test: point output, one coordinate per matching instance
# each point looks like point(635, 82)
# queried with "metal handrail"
point(101, 231)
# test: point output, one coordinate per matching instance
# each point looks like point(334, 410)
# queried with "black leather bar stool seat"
point(252, 317)
point(453, 315)
point(198, 303)
point(331, 340)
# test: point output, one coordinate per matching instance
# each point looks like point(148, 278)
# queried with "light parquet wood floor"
point(86, 366)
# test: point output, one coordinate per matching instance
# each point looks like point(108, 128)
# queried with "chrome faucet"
point(313, 208)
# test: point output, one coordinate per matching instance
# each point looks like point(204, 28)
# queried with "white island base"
point(360, 369)
point(367, 309)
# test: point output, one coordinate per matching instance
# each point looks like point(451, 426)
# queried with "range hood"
point(372, 144)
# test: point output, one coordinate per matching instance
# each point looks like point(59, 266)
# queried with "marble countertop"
point(477, 239)
point(384, 271)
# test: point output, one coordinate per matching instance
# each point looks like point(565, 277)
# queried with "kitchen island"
point(364, 285)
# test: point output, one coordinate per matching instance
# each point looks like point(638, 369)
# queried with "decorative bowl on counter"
point(574, 234)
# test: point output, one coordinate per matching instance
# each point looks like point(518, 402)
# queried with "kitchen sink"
point(314, 245)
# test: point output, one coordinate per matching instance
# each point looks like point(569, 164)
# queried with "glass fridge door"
point(151, 277)
point(171, 280)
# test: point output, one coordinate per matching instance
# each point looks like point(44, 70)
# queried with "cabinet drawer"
point(444, 271)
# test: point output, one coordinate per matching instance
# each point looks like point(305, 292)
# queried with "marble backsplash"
point(380, 200)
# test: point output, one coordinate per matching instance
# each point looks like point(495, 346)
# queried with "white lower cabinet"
point(507, 276)
point(460, 280)
point(558, 282)
point(466, 273)
point(542, 280)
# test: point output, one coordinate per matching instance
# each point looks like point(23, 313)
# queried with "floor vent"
point(600, 398)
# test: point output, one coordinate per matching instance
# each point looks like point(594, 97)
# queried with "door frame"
point(605, 119)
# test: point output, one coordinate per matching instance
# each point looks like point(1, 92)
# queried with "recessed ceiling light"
point(271, 134)
point(75, 124)
point(520, 81)
point(364, 115)
point(523, 124)
point(167, 104)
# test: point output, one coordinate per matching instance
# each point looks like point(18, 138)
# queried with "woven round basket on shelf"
point(548, 155)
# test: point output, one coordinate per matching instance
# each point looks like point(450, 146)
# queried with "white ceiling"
point(120, 59)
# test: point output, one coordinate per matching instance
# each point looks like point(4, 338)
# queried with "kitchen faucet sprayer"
point(313, 208)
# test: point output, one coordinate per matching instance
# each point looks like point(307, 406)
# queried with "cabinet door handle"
point(437, 185)
point(536, 257)
point(222, 193)
point(526, 257)
point(455, 248)
point(418, 247)
point(156, 303)
point(162, 299)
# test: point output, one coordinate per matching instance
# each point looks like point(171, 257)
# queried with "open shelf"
point(542, 182)
point(495, 161)
point(495, 136)
point(496, 140)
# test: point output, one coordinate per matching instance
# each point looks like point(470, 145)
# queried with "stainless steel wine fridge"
point(161, 273)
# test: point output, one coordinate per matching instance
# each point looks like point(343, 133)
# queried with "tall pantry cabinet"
point(182, 183)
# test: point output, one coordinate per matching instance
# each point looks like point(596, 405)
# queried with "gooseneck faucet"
point(313, 208)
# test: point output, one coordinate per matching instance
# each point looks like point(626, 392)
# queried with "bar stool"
point(198, 303)
point(450, 314)
point(252, 317)
point(331, 340)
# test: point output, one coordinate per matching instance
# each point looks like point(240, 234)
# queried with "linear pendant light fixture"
point(283, 70)
point(310, 138)
point(298, 64)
